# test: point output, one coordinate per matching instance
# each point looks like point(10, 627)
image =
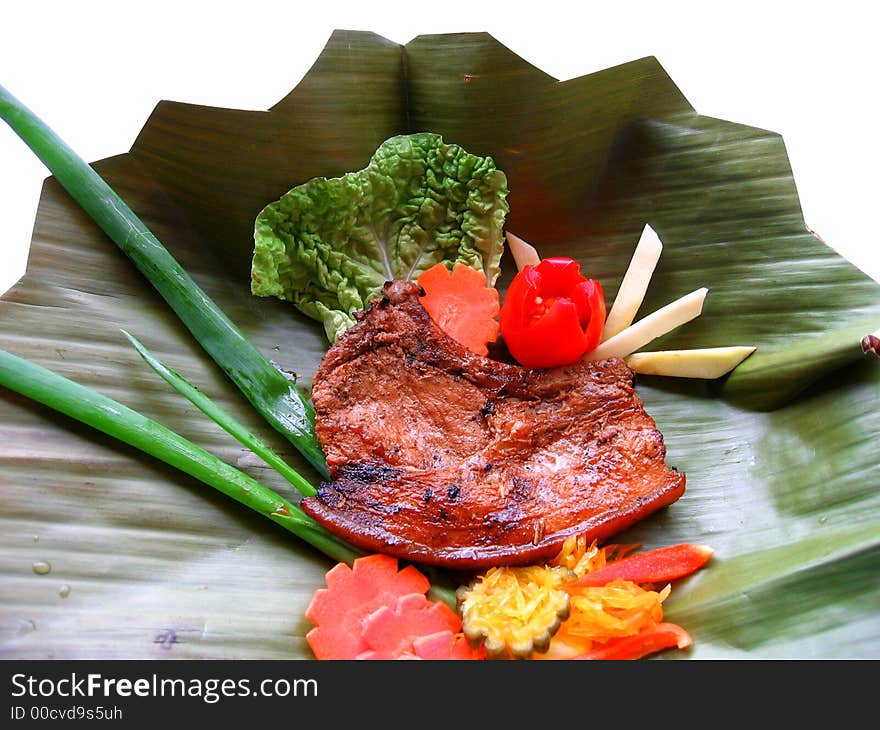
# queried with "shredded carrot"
point(619, 608)
point(583, 560)
point(462, 305)
point(602, 613)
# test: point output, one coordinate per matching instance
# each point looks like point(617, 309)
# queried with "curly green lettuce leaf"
point(330, 244)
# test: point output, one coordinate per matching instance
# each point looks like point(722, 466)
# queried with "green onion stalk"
point(130, 427)
point(268, 390)
point(223, 419)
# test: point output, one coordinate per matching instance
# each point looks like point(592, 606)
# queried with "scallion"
point(129, 426)
point(268, 390)
point(223, 419)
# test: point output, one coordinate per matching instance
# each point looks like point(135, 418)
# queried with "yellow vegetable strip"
point(634, 284)
point(523, 253)
point(708, 363)
point(651, 327)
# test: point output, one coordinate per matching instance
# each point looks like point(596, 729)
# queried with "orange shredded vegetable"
point(582, 559)
point(602, 613)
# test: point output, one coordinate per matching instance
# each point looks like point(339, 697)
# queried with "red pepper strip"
point(657, 638)
point(652, 566)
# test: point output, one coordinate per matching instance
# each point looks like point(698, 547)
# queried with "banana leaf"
point(107, 554)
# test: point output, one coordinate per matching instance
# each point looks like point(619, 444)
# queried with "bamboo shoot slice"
point(634, 284)
point(524, 254)
point(707, 363)
point(651, 327)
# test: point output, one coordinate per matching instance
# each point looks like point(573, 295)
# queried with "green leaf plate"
point(107, 554)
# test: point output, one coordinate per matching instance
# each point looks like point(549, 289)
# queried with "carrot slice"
point(439, 646)
point(462, 305)
point(444, 645)
point(351, 595)
point(389, 631)
point(652, 566)
point(651, 640)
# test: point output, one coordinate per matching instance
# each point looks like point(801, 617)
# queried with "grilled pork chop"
point(443, 457)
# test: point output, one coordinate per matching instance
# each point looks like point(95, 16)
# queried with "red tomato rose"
point(552, 315)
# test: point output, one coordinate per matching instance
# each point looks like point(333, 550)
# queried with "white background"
point(94, 71)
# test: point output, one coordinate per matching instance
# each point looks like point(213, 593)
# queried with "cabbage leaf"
point(330, 244)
